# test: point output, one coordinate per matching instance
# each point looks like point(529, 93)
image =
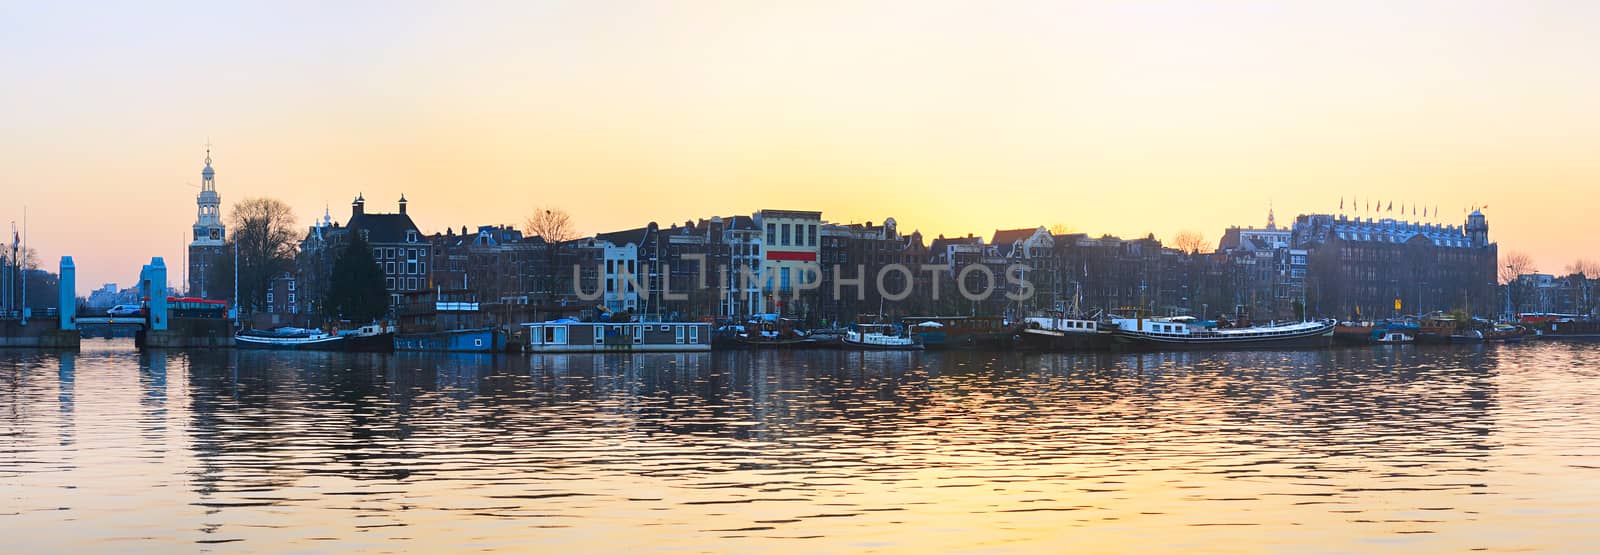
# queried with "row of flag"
point(1370, 206)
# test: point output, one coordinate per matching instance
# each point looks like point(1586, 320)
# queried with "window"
point(388, 268)
point(772, 234)
point(269, 295)
point(388, 253)
point(291, 285)
point(388, 283)
point(785, 241)
point(811, 232)
point(411, 236)
point(679, 333)
point(377, 253)
point(291, 299)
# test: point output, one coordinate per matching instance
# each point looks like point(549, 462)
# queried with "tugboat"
point(1184, 333)
point(878, 337)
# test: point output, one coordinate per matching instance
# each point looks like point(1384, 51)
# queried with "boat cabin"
point(571, 336)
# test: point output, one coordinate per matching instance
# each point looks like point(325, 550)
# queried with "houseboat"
point(1056, 334)
point(962, 332)
point(878, 337)
point(572, 336)
point(1186, 333)
point(1560, 326)
point(446, 321)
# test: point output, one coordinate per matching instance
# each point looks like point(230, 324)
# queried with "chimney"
point(402, 203)
point(358, 206)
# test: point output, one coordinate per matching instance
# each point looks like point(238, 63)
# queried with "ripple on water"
point(1409, 449)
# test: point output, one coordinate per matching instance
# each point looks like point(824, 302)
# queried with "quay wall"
point(38, 334)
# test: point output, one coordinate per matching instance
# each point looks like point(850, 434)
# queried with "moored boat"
point(1395, 337)
point(572, 336)
point(962, 332)
point(373, 338)
point(878, 337)
point(1062, 335)
point(1186, 334)
point(289, 338)
point(481, 340)
point(446, 321)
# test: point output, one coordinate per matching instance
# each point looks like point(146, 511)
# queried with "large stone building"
point(1367, 268)
point(398, 246)
point(206, 247)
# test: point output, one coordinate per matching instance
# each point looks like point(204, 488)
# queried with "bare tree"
point(553, 224)
point(1189, 241)
point(1513, 264)
point(1586, 267)
point(1060, 229)
point(264, 234)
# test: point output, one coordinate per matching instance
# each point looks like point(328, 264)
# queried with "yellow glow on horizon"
point(952, 118)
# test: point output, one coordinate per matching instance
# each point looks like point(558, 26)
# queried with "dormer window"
point(411, 236)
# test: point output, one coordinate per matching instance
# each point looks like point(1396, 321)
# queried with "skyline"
point(1111, 119)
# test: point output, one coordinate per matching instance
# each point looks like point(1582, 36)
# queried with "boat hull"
point(1314, 338)
point(331, 343)
point(861, 346)
point(1063, 342)
point(972, 340)
point(620, 348)
point(483, 340)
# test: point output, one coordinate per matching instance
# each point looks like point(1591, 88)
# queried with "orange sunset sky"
point(953, 117)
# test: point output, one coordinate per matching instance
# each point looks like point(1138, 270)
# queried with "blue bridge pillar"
point(153, 287)
point(67, 298)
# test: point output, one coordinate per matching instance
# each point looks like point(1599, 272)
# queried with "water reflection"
point(1346, 450)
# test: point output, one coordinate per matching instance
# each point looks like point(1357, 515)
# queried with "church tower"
point(209, 236)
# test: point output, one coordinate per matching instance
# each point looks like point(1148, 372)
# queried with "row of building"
point(797, 264)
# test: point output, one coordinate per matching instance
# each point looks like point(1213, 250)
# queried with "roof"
point(1009, 236)
point(382, 228)
point(636, 236)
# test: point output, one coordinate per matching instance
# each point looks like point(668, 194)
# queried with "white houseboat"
point(572, 336)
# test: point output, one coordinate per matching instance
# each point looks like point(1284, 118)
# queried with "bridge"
point(111, 321)
point(156, 327)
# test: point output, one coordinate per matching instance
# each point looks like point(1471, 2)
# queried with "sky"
point(952, 117)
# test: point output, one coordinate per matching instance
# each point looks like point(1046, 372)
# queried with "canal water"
point(1352, 450)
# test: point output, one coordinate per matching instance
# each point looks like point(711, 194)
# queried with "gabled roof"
point(1006, 240)
point(1005, 237)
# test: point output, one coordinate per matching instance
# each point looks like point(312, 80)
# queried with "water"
point(1390, 449)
